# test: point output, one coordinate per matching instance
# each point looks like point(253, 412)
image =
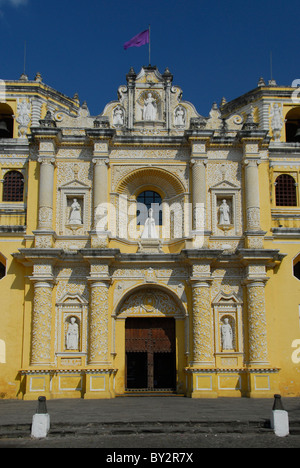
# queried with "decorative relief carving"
point(202, 324)
point(253, 219)
point(98, 325)
point(134, 153)
point(45, 216)
point(119, 172)
point(43, 241)
point(149, 301)
point(41, 324)
point(72, 286)
point(257, 323)
point(23, 117)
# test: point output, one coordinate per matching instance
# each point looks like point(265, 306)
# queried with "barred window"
point(149, 199)
point(286, 193)
point(13, 187)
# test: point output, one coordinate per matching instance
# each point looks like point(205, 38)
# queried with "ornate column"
point(100, 137)
point(252, 194)
point(100, 190)
point(98, 323)
point(41, 323)
point(257, 326)
point(199, 194)
point(252, 139)
point(202, 324)
point(199, 139)
point(46, 193)
point(48, 137)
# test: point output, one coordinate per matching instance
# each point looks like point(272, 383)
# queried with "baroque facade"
point(149, 248)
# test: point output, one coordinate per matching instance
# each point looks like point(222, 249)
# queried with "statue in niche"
point(118, 117)
point(72, 339)
point(226, 335)
point(224, 213)
point(149, 231)
point(150, 108)
point(75, 215)
point(179, 117)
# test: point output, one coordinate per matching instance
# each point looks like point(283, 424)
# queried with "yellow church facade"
point(149, 249)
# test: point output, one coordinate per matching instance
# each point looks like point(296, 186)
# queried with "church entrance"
point(150, 354)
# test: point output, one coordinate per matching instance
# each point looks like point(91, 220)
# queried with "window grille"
point(13, 187)
point(286, 194)
point(152, 200)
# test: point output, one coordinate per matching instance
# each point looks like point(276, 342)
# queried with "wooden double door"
point(150, 354)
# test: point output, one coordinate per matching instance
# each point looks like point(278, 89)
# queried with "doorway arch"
point(151, 328)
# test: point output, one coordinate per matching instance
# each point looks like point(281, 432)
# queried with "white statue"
point(226, 333)
point(118, 117)
point(179, 117)
point(75, 216)
point(72, 335)
point(149, 108)
point(224, 213)
point(149, 231)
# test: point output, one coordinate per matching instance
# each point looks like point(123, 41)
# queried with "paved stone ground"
point(150, 422)
point(140, 409)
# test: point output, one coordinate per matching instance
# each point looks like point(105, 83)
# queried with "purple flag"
point(138, 40)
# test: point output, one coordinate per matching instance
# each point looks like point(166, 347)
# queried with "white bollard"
point(279, 418)
point(40, 421)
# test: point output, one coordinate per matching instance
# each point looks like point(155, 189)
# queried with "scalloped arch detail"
point(167, 182)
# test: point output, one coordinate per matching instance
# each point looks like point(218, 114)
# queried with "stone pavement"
point(124, 412)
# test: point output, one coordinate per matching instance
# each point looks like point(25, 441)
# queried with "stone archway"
point(153, 321)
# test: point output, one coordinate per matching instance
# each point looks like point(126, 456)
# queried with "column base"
point(262, 383)
point(99, 385)
point(68, 383)
point(229, 383)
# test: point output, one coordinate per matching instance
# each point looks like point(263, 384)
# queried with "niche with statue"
point(229, 340)
point(74, 212)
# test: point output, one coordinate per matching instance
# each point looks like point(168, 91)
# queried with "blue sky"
point(214, 49)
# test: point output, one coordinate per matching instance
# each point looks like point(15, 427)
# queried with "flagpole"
point(149, 44)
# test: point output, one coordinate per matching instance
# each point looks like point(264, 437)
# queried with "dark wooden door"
point(150, 353)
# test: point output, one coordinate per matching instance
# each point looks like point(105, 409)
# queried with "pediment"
point(74, 184)
point(72, 299)
point(151, 109)
point(223, 298)
point(149, 75)
point(224, 184)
